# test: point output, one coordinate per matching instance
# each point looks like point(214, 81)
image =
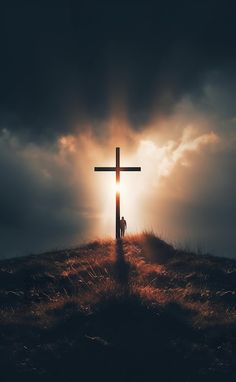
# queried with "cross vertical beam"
point(117, 169)
point(117, 193)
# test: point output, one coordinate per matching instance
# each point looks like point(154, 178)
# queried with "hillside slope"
point(136, 310)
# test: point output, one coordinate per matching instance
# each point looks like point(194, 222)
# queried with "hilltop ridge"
point(133, 310)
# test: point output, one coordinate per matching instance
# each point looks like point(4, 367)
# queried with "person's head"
point(122, 218)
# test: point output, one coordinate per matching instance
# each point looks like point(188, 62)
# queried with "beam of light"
point(145, 196)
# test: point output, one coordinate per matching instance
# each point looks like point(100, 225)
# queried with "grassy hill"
point(135, 310)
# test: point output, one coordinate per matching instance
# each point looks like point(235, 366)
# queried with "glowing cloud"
point(80, 204)
point(157, 159)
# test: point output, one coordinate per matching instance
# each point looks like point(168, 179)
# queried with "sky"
point(156, 78)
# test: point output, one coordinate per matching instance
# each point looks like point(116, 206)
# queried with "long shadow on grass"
point(121, 266)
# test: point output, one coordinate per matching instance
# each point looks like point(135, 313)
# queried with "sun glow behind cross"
point(129, 190)
point(118, 188)
point(145, 197)
point(158, 163)
point(112, 189)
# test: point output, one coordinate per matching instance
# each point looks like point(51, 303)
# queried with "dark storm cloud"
point(41, 204)
point(66, 61)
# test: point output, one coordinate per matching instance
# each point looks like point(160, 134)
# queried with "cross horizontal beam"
point(117, 168)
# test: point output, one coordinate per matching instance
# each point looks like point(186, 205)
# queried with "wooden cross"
point(117, 169)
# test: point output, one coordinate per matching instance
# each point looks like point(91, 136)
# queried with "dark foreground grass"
point(135, 310)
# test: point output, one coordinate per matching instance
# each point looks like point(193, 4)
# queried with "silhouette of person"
point(123, 226)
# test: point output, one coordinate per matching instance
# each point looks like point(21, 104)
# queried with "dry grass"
point(86, 309)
